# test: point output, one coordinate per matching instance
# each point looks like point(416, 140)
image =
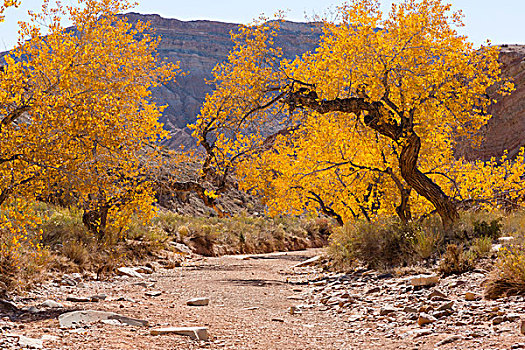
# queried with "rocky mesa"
point(199, 46)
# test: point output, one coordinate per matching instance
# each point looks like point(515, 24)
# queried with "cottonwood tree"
point(362, 126)
point(76, 117)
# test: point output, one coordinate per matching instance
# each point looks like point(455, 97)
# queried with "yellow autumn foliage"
point(366, 124)
point(76, 118)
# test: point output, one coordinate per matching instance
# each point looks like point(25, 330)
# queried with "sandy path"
point(249, 309)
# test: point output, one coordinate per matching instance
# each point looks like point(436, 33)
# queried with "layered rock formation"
point(199, 46)
point(506, 129)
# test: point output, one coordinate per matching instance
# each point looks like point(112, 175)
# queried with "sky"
point(500, 21)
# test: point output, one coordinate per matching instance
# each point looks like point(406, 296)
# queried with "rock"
point(294, 310)
point(127, 271)
point(387, 310)
point(449, 340)
point(77, 318)
point(470, 296)
point(504, 240)
point(446, 306)
point(112, 322)
point(75, 299)
point(143, 269)
point(498, 320)
point(199, 333)
point(51, 304)
point(512, 317)
point(308, 262)
point(30, 343)
point(497, 247)
point(153, 293)
point(33, 310)
point(277, 319)
point(410, 310)
point(424, 319)
point(251, 308)
point(144, 284)
point(26, 342)
point(198, 302)
point(437, 295)
point(373, 290)
point(424, 280)
point(420, 332)
point(98, 297)
point(48, 337)
point(180, 248)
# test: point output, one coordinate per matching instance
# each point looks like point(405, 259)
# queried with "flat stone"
point(26, 342)
point(437, 293)
point(420, 332)
point(51, 304)
point(78, 299)
point(112, 322)
point(387, 311)
point(33, 310)
point(308, 262)
point(372, 290)
point(449, 340)
point(410, 309)
point(512, 317)
point(424, 280)
point(76, 318)
point(424, 319)
point(180, 248)
point(198, 333)
point(470, 296)
point(30, 343)
point(49, 337)
point(143, 269)
point(446, 306)
point(127, 271)
point(144, 284)
point(198, 302)
point(153, 293)
point(98, 297)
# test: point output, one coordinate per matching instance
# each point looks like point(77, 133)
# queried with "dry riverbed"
point(262, 302)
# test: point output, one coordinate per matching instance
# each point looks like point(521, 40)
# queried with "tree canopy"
point(364, 125)
point(76, 117)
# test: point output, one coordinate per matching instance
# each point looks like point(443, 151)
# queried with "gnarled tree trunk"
point(377, 118)
point(422, 184)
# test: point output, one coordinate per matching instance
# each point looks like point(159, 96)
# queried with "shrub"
point(485, 229)
point(455, 261)
point(508, 278)
point(427, 242)
point(482, 246)
point(380, 245)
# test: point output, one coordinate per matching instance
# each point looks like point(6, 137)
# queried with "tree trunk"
point(422, 184)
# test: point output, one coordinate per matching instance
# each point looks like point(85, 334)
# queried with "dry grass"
point(387, 244)
point(65, 245)
point(244, 234)
point(381, 245)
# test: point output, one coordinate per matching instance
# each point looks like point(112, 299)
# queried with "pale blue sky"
point(502, 21)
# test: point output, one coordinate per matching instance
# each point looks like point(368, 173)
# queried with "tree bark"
point(422, 184)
